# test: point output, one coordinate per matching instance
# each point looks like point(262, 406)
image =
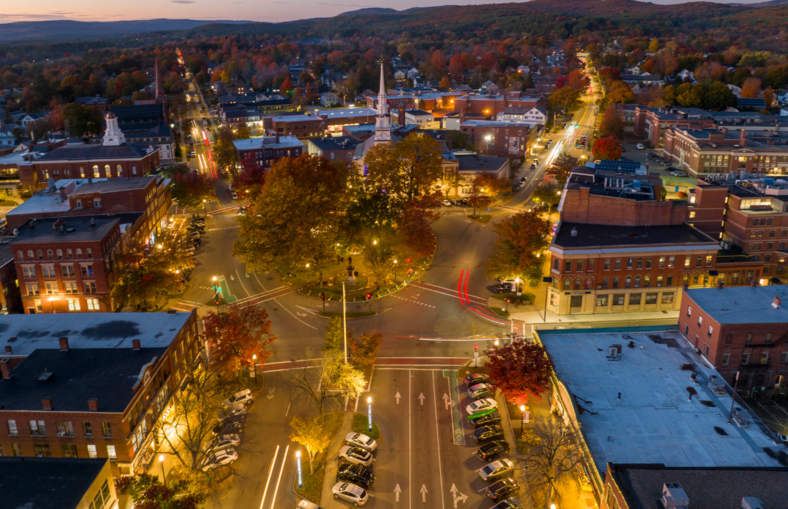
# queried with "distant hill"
point(61, 30)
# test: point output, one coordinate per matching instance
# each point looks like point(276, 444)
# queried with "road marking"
point(270, 471)
point(261, 283)
point(284, 460)
point(447, 291)
point(456, 414)
point(397, 397)
point(397, 491)
point(294, 316)
point(312, 311)
point(410, 435)
point(423, 492)
point(413, 301)
point(421, 398)
point(457, 495)
point(288, 409)
point(446, 400)
point(438, 440)
point(301, 314)
point(241, 281)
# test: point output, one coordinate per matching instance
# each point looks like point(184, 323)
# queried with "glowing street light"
point(369, 413)
point(522, 409)
point(395, 272)
point(298, 462)
point(161, 463)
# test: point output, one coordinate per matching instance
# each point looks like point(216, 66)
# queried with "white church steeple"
point(113, 136)
point(382, 120)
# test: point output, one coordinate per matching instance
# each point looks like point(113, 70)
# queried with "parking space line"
point(240, 280)
point(438, 440)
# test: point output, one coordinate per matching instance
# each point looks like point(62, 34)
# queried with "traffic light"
point(408, 260)
point(476, 347)
point(369, 296)
point(322, 296)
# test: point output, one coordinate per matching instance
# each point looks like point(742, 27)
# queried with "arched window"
point(578, 284)
point(589, 282)
point(119, 170)
point(79, 253)
point(637, 281)
point(646, 280)
point(59, 254)
point(628, 282)
point(50, 255)
point(40, 255)
point(69, 254)
point(107, 171)
point(567, 284)
point(96, 173)
point(20, 255)
point(89, 253)
point(82, 171)
point(30, 255)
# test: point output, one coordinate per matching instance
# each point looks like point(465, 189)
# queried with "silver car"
point(496, 469)
point(361, 441)
point(479, 391)
point(355, 455)
point(355, 495)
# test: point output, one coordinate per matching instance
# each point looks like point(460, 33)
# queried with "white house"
point(524, 70)
point(413, 74)
point(328, 99)
point(535, 115)
point(418, 117)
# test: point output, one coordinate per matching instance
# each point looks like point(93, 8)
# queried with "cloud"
point(182, 1)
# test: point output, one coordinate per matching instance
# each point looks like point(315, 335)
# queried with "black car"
point(226, 427)
point(356, 474)
point(476, 378)
point(490, 451)
point(502, 489)
point(488, 434)
point(486, 420)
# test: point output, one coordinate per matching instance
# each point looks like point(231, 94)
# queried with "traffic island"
point(311, 486)
point(480, 218)
point(361, 425)
point(350, 316)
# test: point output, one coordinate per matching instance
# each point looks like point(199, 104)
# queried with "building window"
point(107, 171)
point(661, 262)
point(601, 300)
point(748, 338)
point(646, 280)
point(651, 298)
point(119, 170)
point(667, 298)
point(604, 283)
point(29, 272)
point(671, 262)
point(711, 330)
point(87, 269)
point(79, 254)
point(51, 288)
point(700, 320)
point(630, 262)
point(745, 357)
point(706, 350)
point(659, 281)
point(568, 266)
point(567, 284)
point(96, 173)
point(637, 281)
point(784, 358)
point(708, 260)
point(69, 254)
point(17, 449)
point(50, 254)
point(59, 254)
point(111, 453)
point(92, 453)
point(37, 427)
point(607, 264)
point(64, 428)
point(67, 270)
point(628, 282)
point(687, 262)
point(69, 450)
point(634, 299)
point(106, 429)
point(90, 287)
point(73, 304)
point(618, 299)
point(618, 264)
point(134, 171)
point(82, 172)
point(615, 282)
point(726, 357)
point(42, 450)
point(93, 304)
point(669, 280)
point(48, 271)
point(87, 428)
point(12, 429)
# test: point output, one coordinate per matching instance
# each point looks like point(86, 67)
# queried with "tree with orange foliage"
point(517, 250)
point(235, 336)
point(287, 86)
point(751, 88)
point(608, 148)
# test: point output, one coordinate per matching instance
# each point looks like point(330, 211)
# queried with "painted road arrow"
point(457, 496)
point(446, 400)
point(421, 398)
point(397, 397)
point(423, 491)
point(397, 491)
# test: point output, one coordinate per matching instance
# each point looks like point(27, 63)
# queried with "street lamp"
point(205, 207)
point(254, 366)
point(395, 272)
point(161, 462)
point(369, 413)
point(522, 409)
point(215, 288)
point(298, 460)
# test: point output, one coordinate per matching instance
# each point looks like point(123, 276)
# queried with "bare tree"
point(330, 379)
point(552, 456)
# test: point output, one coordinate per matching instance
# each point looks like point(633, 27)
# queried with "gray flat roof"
point(637, 409)
point(742, 304)
point(599, 235)
point(43, 201)
point(47, 483)
point(43, 232)
point(89, 330)
point(113, 185)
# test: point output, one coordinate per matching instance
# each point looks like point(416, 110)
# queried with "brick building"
point(339, 148)
point(652, 123)
point(100, 393)
point(751, 213)
point(267, 150)
point(65, 265)
point(10, 296)
point(503, 139)
point(488, 106)
point(336, 119)
point(740, 329)
point(428, 100)
point(300, 126)
point(114, 158)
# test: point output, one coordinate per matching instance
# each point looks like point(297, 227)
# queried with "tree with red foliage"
point(192, 189)
point(521, 369)
point(364, 349)
point(609, 74)
point(147, 492)
point(234, 337)
point(287, 86)
point(250, 181)
point(414, 224)
point(612, 124)
point(456, 65)
point(445, 83)
point(608, 148)
point(516, 252)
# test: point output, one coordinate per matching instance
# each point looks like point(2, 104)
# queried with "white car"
point(678, 173)
point(361, 441)
point(641, 146)
point(243, 397)
point(355, 455)
point(224, 442)
point(496, 469)
point(220, 458)
point(355, 495)
point(481, 405)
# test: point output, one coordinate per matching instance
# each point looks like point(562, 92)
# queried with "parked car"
point(516, 187)
point(446, 203)
point(355, 455)
point(220, 458)
point(678, 173)
point(488, 434)
point(536, 160)
point(361, 441)
point(496, 469)
point(241, 397)
point(234, 195)
point(486, 420)
point(782, 438)
point(492, 450)
point(502, 489)
point(533, 166)
point(476, 378)
point(224, 441)
point(479, 391)
point(306, 504)
point(355, 495)
point(481, 405)
point(357, 474)
point(509, 503)
point(640, 146)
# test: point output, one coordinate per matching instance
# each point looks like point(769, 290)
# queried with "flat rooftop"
point(77, 228)
point(113, 185)
point(481, 163)
point(636, 407)
point(597, 235)
point(347, 112)
point(107, 374)
point(268, 142)
point(335, 143)
point(742, 304)
point(88, 330)
point(706, 488)
point(44, 201)
point(47, 483)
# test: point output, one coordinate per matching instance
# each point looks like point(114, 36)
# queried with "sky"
point(246, 10)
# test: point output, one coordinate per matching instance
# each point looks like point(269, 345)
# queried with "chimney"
point(401, 116)
point(277, 138)
point(777, 302)
point(64, 344)
point(743, 138)
point(8, 349)
point(135, 344)
point(720, 284)
point(5, 369)
point(47, 403)
point(93, 405)
point(573, 233)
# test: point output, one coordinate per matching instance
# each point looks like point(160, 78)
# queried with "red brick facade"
point(501, 139)
point(579, 205)
point(36, 174)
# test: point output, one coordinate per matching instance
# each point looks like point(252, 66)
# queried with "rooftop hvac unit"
point(674, 496)
point(751, 503)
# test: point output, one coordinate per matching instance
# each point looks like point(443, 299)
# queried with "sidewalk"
point(332, 464)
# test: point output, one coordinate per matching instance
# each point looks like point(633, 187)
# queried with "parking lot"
point(425, 457)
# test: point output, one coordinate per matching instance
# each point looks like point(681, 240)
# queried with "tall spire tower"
point(159, 98)
point(382, 120)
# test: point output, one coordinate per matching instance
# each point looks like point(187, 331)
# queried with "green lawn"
point(480, 218)
point(499, 312)
point(312, 483)
point(361, 425)
point(524, 298)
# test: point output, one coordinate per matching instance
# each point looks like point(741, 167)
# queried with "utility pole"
point(344, 318)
